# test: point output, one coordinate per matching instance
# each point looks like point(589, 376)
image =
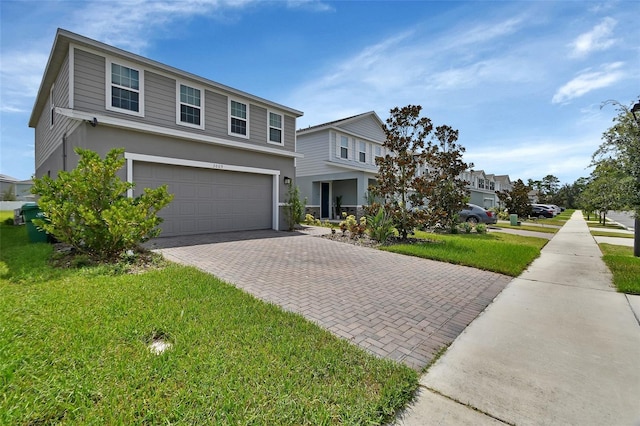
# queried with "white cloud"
point(599, 38)
point(588, 81)
point(313, 5)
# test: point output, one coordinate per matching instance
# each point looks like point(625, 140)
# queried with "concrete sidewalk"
point(558, 346)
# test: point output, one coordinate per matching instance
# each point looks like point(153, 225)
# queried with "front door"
point(325, 205)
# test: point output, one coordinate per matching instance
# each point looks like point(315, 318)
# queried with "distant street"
point(624, 218)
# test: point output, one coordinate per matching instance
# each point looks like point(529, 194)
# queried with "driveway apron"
point(395, 306)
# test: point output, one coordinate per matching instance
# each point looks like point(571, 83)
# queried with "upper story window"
point(378, 152)
point(190, 105)
point(344, 147)
point(275, 128)
point(362, 153)
point(481, 183)
point(238, 119)
point(492, 185)
point(52, 107)
point(125, 92)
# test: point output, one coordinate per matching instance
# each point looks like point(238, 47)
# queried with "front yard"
point(75, 348)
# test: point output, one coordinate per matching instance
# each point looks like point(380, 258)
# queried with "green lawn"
point(624, 267)
point(610, 234)
point(526, 226)
point(498, 252)
point(74, 349)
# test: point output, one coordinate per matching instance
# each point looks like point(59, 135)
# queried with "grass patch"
point(498, 252)
point(74, 348)
point(624, 267)
point(611, 234)
point(525, 227)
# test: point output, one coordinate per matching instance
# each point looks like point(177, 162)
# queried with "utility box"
point(31, 211)
point(513, 218)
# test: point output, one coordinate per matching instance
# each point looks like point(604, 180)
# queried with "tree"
point(607, 189)
point(622, 143)
point(547, 188)
point(516, 200)
point(88, 207)
point(440, 184)
point(397, 176)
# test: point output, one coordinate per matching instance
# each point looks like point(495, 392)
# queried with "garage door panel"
point(207, 201)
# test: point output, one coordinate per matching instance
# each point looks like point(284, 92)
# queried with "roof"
point(7, 178)
point(335, 123)
point(59, 52)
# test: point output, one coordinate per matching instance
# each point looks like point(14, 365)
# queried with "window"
point(362, 153)
point(344, 147)
point(124, 89)
point(275, 128)
point(378, 152)
point(492, 185)
point(189, 106)
point(238, 119)
point(481, 183)
point(51, 107)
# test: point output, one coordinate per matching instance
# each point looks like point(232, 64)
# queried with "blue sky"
point(523, 82)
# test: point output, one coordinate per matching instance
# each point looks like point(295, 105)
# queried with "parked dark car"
point(542, 212)
point(476, 214)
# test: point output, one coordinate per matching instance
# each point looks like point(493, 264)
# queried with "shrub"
point(380, 225)
point(309, 219)
point(356, 228)
point(88, 207)
point(481, 228)
point(467, 227)
point(294, 208)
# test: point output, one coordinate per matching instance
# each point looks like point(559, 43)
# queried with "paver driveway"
point(394, 306)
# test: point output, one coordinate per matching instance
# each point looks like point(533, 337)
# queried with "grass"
point(74, 349)
point(498, 252)
point(611, 234)
point(525, 227)
point(624, 267)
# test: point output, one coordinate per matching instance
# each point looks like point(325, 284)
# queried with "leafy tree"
point(397, 171)
point(547, 188)
point(440, 184)
point(294, 207)
point(568, 194)
point(88, 207)
point(516, 200)
point(607, 189)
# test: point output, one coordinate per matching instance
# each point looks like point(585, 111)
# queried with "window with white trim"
point(189, 109)
point(481, 183)
point(238, 119)
point(362, 153)
point(344, 147)
point(51, 107)
point(492, 185)
point(125, 92)
point(378, 153)
point(275, 128)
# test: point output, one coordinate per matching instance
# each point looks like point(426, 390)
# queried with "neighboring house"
point(482, 188)
point(534, 196)
point(503, 183)
point(14, 189)
point(339, 164)
point(223, 153)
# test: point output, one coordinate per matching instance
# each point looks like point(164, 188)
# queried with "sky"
point(524, 82)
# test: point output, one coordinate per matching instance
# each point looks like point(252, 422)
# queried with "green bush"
point(88, 207)
point(294, 208)
point(380, 225)
point(467, 227)
point(481, 228)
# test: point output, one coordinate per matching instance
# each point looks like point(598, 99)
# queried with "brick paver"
point(394, 306)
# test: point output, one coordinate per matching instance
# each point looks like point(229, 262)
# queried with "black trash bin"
point(31, 211)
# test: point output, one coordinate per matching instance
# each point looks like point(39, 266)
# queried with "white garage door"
point(207, 201)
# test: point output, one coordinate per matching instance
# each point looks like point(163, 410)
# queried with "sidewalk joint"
point(635, 314)
point(466, 405)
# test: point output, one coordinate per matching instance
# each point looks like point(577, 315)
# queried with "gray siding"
point(315, 148)
point(89, 82)
point(103, 138)
point(49, 138)
point(367, 127)
point(160, 103)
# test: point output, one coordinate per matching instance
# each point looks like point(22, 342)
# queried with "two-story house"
point(339, 164)
point(225, 154)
